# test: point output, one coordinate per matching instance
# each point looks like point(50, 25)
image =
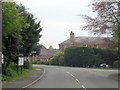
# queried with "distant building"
point(100, 42)
point(46, 54)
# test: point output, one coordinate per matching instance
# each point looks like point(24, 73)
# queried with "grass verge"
point(7, 79)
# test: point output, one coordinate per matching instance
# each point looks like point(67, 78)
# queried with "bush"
point(108, 55)
point(12, 70)
point(36, 62)
point(26, 65)
point(116, 64)
point(78, 56)
point(55, 60)
point(46, 63)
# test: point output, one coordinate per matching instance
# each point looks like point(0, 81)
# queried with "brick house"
point(98, 42)
point(46, 54)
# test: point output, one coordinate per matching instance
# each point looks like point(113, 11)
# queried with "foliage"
point(26, 65)
point(30, 34)
point(12, 24)
point(50, 47)
point(12, 70)
point(116, 64)
point(107, 20)
point(78, 56)
point(20, 34)
point(55, 60)
point(46, 63)
point(36, 62)
point(86, 56)
point(108, 55)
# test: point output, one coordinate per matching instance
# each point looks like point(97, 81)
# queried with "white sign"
point(2, 59)
point(20, 61)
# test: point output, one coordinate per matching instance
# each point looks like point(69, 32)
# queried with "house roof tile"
point(83, 39)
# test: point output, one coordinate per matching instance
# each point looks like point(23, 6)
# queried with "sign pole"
point(21, 69)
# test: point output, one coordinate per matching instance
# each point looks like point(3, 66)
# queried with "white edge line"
point(35, 80)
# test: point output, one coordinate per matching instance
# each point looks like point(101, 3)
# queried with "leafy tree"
point(50, 47)
point(57, 59)
point(12, 24)
point(30, 33)
point(107, 20)
point(108, 55)
point(20, 34)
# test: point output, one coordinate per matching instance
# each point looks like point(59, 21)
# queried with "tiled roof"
point(95, 40)
point(47, 53)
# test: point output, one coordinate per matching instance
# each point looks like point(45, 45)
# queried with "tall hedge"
point(79, 56)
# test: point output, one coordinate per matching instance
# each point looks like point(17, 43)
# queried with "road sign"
point(20, 61)
point(2, 59)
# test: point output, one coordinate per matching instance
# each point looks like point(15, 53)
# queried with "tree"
point(107, 20)
point(57, 59)
point(20, 34)
point(30, 34)
point(50, 47)
point(12, 24)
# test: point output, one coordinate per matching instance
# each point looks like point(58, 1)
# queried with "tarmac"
point(26, 81)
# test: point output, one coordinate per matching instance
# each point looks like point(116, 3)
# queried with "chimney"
point(72, 36)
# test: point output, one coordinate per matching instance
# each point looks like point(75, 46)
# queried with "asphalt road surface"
point(75, 77)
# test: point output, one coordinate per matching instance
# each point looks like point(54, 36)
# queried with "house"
point(46, 54)
point(98, 42)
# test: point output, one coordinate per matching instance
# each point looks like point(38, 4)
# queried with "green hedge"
point(36, 62)
point(26, 65)
point(116, 64)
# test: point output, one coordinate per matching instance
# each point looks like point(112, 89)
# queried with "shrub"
point(46, 63)
point(116, 64)
point(108, 55)
point(78, 56)
point(55, 59)
point(36, 62)
point(12, 69)
point(26, 65)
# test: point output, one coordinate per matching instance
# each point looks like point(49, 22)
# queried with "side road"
point(25, 82)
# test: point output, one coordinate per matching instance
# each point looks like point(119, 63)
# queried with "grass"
point(25, 72)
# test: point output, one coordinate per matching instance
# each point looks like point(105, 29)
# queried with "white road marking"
point(72, 75)
point(34, 81)
point(78, 81)
point(83, 87)
point(67, 72)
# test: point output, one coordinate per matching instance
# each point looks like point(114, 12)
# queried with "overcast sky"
point(58, 18)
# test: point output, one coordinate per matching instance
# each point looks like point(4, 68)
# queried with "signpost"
point(2, 59)
point(21, 62)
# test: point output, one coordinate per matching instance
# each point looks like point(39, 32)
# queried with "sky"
point(58, 18)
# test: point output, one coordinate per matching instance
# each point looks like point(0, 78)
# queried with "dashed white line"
point(68, 72)
point(83, 87)
point(78, 81)
point(72, 75)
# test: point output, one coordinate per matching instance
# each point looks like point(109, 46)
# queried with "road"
point(75, 77)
